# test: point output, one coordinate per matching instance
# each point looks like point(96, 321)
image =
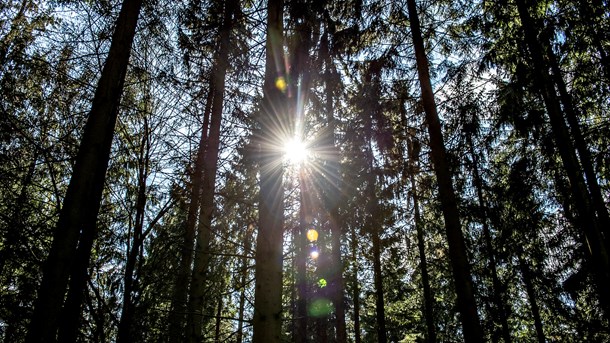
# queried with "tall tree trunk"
point(181, 284)
point(379, 301)
point(202, 256)
point(218, 320)
point(267, 322)
point(491, 254)
point(355, 287)
point(124, 334)
point(83, 197)
point(457, 248)
point(301, 261)
point(531, 295)
point(333, 204)
point(581, 146)
point(421, 246)
point(243, 281)
point(590, 226)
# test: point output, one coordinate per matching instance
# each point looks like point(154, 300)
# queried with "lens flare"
point(314, 254)
point(320, 307)
point(312, 235)
point(280, 84)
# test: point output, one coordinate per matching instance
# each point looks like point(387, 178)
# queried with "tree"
point(81, 204)
point(457, 249)
point(267, 320)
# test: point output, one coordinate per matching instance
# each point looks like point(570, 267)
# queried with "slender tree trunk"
point(491, 254)
point(355, 287)
point(267, 322)
point(82, 201)
point(531, 295)
point(181, 285)
point(218, 321)
point(301, 262)
point(243, 281)
point(428, 297)
point(124, 334)
point(333, 204)
point(457, 248)
point(202, 256)
point(581, 146)
point(594, 240)
point(379, 301)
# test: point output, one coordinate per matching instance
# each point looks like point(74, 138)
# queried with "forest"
point(304, 171)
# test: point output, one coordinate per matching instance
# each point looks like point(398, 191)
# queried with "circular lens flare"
point(314, 254)
point(312, 235)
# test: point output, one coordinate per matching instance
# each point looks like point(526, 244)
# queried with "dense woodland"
point(304, 171)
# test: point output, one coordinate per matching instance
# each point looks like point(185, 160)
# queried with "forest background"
point(304, 171)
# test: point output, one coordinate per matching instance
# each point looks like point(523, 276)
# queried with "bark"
point(379, 300)
point(581, 147)
point(457, 248)
point(491, 254)
point(83, 197)
point(242, 282)
point(218, 321)
point(210, 164)
point(181, 285)
point(267, 321)
point(137, 242)
point(355, 287)
point(333, 205)
point(428, 297)
point(301, 262)
point(594, 240)
point(531, 295)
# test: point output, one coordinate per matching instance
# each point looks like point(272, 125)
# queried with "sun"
point(295, 151)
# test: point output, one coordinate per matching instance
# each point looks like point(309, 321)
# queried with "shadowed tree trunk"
point(491, 254)
point(414, 148)
point(181, 284)
point(202, 256)
point(586, 219)
point(243, 281)
point(83, 197)
point(355, 287)
point(460, 266)
point(301, 319)
point(267, 321)
point(333, 200)
point(531, 295)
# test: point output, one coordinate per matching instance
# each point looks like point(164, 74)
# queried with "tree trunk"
point(581, 146)
point(218, 321)
point(491, 254)
point(301, 262)
point(126, 320)
point(594, 241)
point(83, 197)
point(457, 248)
point(202, 256)
point(181, 285)
point(379, 301)
point(267, 322)
point(243, 280)
point(531, 295)
point(333, 204)
point(355, 287)
point(428, 297)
